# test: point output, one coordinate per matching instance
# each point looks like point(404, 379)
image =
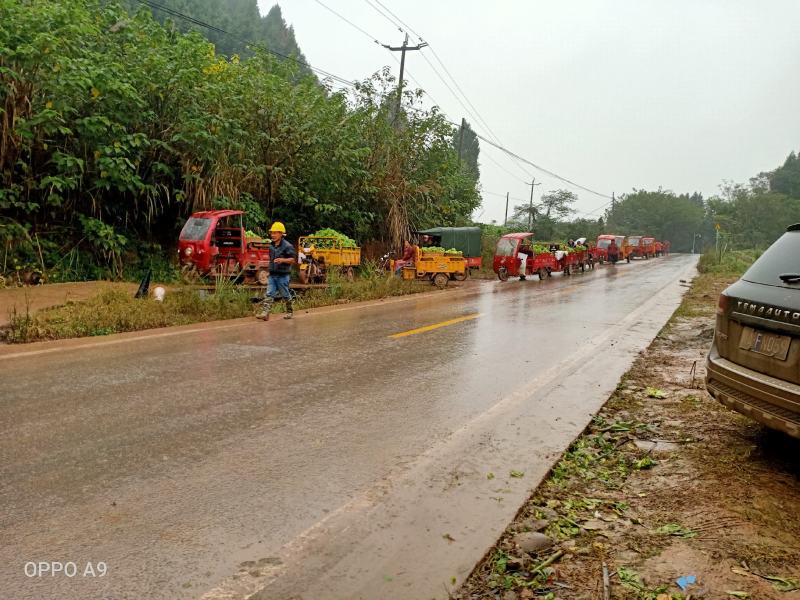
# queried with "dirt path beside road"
point(33, 298)
point(666, 483)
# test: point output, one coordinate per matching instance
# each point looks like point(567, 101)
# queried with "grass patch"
point(715, 275)
point(732, 263)
point(115, 311)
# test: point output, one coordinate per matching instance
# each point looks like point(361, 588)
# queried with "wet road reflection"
point(174, 459)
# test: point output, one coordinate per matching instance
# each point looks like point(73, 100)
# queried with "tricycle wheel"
point(567, 270)
point(549, 272)
point(583, 267)
point(502, 274)
point(542, 272)
point(189, 274)
point(262, 276)
point(461, 276)
point(440, 280)
point(628, 258)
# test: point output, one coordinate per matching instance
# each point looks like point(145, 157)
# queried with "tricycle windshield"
point(195, 229)
point(506, 247)
point(604, 243)
point(634, 241)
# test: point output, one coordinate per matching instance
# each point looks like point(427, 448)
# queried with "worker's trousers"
point(278, 287)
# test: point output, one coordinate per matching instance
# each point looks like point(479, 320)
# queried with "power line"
point(540, 168)
point(348, 83)
point(387, 9)
point(446, 70)
point(499, 195)
point(348, 21)
point(381, 13)
point(477, 114)
point(474, 114)
point(490, 157)
point(210, 27)
point(376, 41)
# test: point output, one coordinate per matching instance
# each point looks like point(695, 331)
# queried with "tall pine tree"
point(240, 18)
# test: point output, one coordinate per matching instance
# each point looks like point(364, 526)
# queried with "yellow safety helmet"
point(278, 226)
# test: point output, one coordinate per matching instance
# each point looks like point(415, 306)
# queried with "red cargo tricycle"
point(514, 256)
point(215, 242)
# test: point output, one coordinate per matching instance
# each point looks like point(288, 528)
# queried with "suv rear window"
point(782, 257)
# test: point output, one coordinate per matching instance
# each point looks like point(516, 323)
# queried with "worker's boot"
point(289, 310)
point(264, 310)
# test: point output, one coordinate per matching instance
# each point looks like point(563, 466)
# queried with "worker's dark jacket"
point(283, 250)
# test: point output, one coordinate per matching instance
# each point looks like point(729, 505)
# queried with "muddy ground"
point(666, 483)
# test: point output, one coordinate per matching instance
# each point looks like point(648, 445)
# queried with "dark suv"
point(754, 362)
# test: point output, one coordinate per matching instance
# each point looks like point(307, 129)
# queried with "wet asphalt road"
point(181, 460)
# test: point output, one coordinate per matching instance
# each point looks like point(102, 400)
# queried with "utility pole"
point(531, 210)
point(505, 220)
point(402, 49)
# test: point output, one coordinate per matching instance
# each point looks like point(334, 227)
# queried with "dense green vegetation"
point(118, 120)
point(240, 18)
point(115, 127)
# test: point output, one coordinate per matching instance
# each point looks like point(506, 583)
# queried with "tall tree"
point(661, 214)
point(786, 179)
point(467, 144)
point(240, 18)
point(557, 204)
point(278, 35)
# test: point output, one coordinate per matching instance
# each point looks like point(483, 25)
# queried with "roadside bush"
point(733, 262)
point(119, 127)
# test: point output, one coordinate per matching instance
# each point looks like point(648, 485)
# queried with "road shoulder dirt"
point(666, 488)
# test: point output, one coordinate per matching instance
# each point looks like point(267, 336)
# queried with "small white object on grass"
point(159, 293)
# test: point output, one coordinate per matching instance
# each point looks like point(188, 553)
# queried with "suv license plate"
point(768, 344)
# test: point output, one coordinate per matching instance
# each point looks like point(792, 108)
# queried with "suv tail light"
point(723, 303)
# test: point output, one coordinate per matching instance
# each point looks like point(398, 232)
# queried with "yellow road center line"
point(435, 326)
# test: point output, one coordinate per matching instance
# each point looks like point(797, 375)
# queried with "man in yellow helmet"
point(281, 256)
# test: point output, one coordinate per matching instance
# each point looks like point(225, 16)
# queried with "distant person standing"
point(613, 252)
point(281, 257)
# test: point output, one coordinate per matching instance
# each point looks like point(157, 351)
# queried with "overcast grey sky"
point(612, 94)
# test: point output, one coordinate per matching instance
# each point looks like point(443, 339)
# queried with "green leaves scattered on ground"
point(655, 393)
point(631, 580)
point(783, 584)
point(644, 463)
point(516, 474)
